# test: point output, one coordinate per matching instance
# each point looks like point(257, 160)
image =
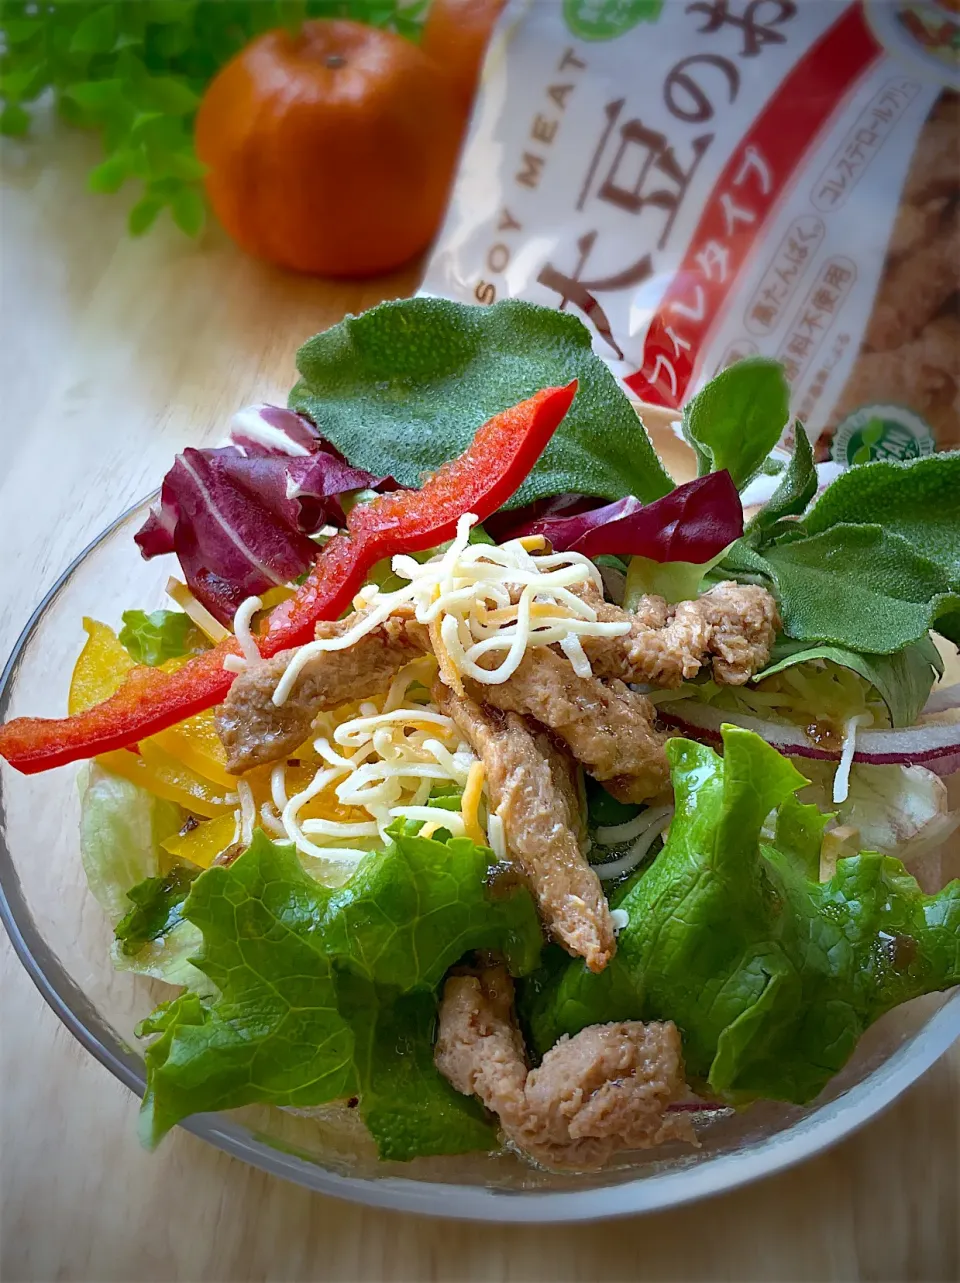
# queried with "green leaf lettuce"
point(315, 987)
point(771, 976)
point(162, 635)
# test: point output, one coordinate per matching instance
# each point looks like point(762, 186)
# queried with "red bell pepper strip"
point(479, 481)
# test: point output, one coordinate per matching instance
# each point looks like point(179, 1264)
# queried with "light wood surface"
point(114, 353)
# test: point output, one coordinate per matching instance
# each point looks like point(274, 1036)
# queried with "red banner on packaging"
point(750, 188)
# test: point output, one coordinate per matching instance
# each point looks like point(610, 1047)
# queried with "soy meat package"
point(700, 180)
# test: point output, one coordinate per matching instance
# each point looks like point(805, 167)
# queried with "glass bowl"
point(63, 938)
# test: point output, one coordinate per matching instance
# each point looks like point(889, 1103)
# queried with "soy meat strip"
point(606, 1089)
point(606, 726)
point(255, 731)
point(732, 626)
point(531, 790)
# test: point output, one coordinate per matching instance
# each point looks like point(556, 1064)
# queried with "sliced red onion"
point(935, 745)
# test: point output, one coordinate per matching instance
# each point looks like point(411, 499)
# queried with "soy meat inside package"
point(701, 180)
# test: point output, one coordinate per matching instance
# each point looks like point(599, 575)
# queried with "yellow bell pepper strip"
point(202, 844)
point(167, 778)
point(489, 471)
point(196, 743)
point(187, 762)
point(100, 668)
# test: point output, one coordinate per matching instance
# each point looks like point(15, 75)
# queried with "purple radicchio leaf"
point(693, 523)
point(238, 516)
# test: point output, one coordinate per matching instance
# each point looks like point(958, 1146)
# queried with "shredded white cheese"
point(497, 837)
point(655, 820)
point(384, 763)
point(248, 812)
point(491, 602)
point(841, 781)
point(241, 628)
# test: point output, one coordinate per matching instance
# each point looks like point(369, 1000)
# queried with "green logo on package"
point(607, 19)
point(882, 432)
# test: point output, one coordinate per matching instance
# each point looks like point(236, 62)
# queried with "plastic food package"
point(701, 180)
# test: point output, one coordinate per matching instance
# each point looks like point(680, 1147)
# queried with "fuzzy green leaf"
point(918, 499)
point(406, 385)
point(860, 587)
point(736, 420)
point(796, 488)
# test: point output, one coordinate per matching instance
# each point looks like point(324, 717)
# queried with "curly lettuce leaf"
point(308, 980)
point(121, 828)
point(409, 1108)
point(404, 387)
point(771, 976)
point(737, 418)
point(163, 634)
point(156, 908)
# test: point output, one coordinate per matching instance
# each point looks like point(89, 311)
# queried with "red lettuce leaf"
point(505, 525)
point(694, 523)
point(238, 516)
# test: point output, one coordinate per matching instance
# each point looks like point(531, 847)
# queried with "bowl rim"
point(809, 1135)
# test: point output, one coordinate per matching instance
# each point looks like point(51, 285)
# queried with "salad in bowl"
point(485, 782)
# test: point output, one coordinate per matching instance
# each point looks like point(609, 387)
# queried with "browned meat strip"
point(606, 1089)
point(606, 726)
point(531, 791)
point(255, 731)
point(743, 621)
point(735, 624)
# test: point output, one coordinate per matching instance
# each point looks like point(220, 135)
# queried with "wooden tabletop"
point(115, 353)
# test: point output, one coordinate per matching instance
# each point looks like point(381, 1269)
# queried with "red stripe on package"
point(755, 179)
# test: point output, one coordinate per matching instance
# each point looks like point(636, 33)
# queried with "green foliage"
point(771, 975)
point(903, 680)
point(872, 566)
point(162, 635)
point(918, 500)
point(135, 70)
point(737, 418)
point(324, 994)
point(404, 387)
point(156, 908)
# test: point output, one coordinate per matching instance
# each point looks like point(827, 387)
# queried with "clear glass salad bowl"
point(63, 938)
